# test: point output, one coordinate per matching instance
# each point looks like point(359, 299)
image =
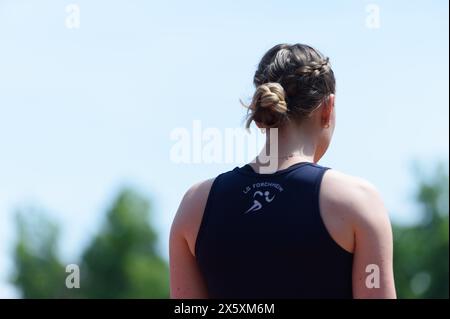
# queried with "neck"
point(292, 145)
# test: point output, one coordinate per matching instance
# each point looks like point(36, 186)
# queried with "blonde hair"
point(291, 82)
point(268, 105)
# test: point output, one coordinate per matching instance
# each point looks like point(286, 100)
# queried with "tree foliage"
point(120, 262)
point(421, 256)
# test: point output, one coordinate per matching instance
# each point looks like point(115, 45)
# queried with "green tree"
point(421, 255)
point(39, 272)
point(120, 262)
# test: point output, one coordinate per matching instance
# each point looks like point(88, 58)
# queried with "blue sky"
point(86, 111)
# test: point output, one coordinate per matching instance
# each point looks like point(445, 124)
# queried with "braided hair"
point(291, 82)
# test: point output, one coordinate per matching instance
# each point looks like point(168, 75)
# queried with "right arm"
point(185, 278)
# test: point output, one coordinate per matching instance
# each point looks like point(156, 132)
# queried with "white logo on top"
point(257, 205)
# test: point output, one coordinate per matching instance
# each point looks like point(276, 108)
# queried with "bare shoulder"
point(356, 218)
point(190, 212)
point(352, 197)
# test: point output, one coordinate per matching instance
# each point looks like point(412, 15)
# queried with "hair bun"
point(272, 96)
point(268, 105)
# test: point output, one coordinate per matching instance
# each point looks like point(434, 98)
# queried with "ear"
point(327, 110)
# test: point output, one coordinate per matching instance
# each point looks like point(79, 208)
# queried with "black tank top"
point(262, 236)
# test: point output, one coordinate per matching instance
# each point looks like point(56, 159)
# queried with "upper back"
point(253, 224)
point(337, 191)
point(310, 219)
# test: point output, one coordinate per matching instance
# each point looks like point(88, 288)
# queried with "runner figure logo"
point(257, 203)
